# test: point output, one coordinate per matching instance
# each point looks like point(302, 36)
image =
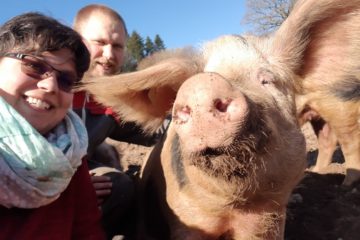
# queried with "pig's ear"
point(316, 33)
point(144, 96)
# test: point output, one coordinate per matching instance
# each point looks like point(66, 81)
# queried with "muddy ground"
point(320, 207)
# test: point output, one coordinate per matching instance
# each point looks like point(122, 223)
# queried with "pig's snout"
point(219, 109)
point(208, 112)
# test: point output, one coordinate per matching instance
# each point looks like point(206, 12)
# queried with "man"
point(104, 33)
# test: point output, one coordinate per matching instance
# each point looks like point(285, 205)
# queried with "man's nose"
point(108, 51)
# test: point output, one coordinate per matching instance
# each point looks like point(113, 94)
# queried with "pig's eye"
point(265, 81)
point(265, 77)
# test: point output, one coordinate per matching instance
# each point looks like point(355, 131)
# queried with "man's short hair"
point(36, 33)
point(84, 13)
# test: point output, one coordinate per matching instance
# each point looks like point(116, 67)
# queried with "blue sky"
point(179, 23)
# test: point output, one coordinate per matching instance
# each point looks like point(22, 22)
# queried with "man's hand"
point(102, 185)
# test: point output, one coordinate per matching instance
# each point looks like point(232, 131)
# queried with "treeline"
point(138, 48)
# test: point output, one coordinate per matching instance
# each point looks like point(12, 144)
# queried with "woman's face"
point(40, 101)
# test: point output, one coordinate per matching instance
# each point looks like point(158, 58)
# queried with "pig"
point(330, 87)
point(327, 140)
point(233, 151)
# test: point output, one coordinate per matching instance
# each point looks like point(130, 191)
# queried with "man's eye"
point(99, 42)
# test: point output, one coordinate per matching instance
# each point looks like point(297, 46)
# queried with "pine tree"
point(149, 47)
point(135, 46)
point(137, 50)
point(159, 44)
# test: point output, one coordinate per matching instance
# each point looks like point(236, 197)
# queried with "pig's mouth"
point(240, 159)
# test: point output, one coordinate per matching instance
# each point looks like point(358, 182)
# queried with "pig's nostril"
point(181, 114)
point(222, 105)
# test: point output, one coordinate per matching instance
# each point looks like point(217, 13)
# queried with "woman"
point(45, 188)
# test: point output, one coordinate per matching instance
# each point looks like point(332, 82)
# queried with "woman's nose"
point(49, 83)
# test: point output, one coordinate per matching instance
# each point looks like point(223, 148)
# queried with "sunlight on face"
point(40, 102)
point(105, 39)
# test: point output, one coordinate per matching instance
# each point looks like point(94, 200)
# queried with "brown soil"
point(320, 207)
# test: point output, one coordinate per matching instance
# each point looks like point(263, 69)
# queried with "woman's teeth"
point(37, 103)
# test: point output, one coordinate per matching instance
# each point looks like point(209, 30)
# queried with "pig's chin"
point(241, 158)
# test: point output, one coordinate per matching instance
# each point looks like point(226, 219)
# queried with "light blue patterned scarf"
point(35, 170)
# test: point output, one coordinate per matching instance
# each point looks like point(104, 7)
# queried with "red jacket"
point(74, 215)
point(80, 101)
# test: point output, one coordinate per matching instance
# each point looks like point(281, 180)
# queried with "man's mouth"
point(106, 66)
point(37, 103)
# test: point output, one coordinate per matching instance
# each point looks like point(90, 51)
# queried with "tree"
point(159, 44)
point(149, 46)
point(265, 16)
point(135, 46)
point(137, 50)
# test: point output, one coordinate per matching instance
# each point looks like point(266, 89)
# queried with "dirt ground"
point(320, 207)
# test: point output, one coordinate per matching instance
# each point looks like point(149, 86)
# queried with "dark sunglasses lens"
point(34, 68)
point(37, 69)
point(66, 82)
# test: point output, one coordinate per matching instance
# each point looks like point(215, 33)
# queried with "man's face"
point(105, 39)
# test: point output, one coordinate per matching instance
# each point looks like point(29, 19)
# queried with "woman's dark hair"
point(36, 33)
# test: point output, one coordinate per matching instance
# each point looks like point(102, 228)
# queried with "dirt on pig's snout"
point(227, 136)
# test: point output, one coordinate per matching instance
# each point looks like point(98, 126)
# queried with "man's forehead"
point(98, 21)
point(101, 26)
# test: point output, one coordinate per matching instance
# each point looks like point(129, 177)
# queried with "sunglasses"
point(39, 69)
